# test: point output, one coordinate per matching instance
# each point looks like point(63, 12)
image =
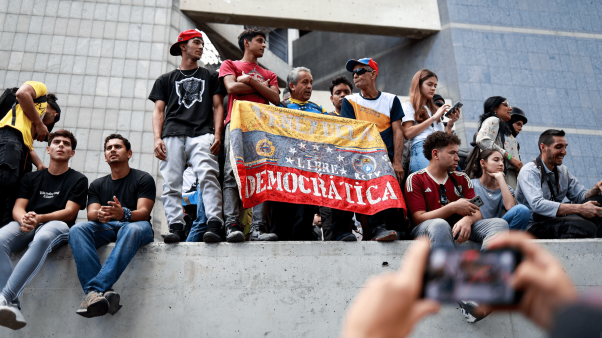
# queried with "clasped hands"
point(114, 211)
point(29, 221)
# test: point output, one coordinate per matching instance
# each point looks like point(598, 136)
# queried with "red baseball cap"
point(365, 61)
point(183, 37)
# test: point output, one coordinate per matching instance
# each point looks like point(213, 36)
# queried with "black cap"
point(518, 114)
point(436, 98)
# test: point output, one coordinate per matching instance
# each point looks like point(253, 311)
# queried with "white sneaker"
point(11, 316)
point(469, 310)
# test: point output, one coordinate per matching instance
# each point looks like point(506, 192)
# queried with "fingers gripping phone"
point(472, 275)
point(477, 201)
point(458, 105)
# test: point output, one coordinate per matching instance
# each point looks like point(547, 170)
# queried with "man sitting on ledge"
point(119, 207)
point(544, 183)
point(47, 205)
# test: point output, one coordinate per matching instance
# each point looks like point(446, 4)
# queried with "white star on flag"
point(301, 145)
point(292, 150)
point(340, 158)
point(329, 150)
point(316, 147)
point(343, 171)
point(289, 160)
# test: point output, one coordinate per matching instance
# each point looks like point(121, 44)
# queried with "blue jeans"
point(417, 159)
point(518, 217)
point(440, 232)
point(86, 237)
point(199, 226)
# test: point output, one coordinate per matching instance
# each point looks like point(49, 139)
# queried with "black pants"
point(13, 154)
point(571, 226)
point(293, 222)
point(390, 219)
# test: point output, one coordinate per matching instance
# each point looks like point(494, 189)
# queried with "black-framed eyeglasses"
point(442, 195)
point(361, 71)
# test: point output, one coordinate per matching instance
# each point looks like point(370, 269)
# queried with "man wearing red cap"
point(187, 125)
point(245, 80)
point(383, 109)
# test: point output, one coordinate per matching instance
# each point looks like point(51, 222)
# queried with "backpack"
point(8, 101)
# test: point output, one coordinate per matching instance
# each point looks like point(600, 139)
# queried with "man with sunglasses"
point(438, 201)
point(383, 109)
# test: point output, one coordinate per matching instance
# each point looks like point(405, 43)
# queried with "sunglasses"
point(361, 71)
point(505, 103)
point(442, 195)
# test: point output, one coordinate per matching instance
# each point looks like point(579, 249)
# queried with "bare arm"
point(594, 191)
point(397, 150)
point(158, 120)
point(36, 160)
point(461, 207)
point(218, 123)
point(65, 215)
point(410, 130)
point(143, 210)
point(19, 209)
point(25, 95)
point(93, 212)
point(237, 88)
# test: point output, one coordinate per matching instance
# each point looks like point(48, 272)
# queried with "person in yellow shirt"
point(32, 114)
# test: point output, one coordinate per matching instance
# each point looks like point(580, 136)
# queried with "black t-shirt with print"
point(136, 184)
point(48, 193)
point(188, 101)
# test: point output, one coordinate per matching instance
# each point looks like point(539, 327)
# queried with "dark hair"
point(438, 140)
point(249, 34)
point(547, 137)
point(478, 170)
point(488, 111)
point(63, 133)
point(51, 101)
point(127, 144)
point(340, 80)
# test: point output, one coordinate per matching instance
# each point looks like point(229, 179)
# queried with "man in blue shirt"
point(293, 222)
point(543, 185)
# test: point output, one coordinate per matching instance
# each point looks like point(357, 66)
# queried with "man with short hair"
point(245, 80)
point(383, 109)
point(544, 183)
point(339, 87)
point(294, 222)
point(47, 205)
point(27, 119)
point(187, 126)
point(119, 208)
point(438, 202)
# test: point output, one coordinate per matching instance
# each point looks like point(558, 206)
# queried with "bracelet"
point(509, 157)
point(127, 215)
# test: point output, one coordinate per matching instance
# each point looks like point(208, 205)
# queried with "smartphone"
point(458, 105)
point(477, 201)
point(472, 275)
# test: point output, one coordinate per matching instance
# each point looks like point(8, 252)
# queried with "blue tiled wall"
point(566, 15)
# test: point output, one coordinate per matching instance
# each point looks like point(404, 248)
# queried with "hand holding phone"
point(477, 201)
point(458, 105)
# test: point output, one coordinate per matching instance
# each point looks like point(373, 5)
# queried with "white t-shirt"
point(408, 110)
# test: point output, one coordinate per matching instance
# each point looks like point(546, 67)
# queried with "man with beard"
point(187, 125)
point(544, 183)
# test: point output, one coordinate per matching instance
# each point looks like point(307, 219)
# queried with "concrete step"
point(280, 289)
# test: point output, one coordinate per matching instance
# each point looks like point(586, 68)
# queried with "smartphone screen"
point(471, 275)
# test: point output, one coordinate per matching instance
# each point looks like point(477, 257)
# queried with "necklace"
point(197, 69)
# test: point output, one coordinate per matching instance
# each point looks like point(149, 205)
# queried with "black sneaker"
point(257, 235)
point(381, 234)
point(212, 234)
point(469, 310)
point(113, 298)
point(347, 238)
point(175, 234)
point(235, 233)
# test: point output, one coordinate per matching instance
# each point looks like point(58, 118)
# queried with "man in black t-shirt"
point(47, 205)
point(119, 207)
point(188, 121)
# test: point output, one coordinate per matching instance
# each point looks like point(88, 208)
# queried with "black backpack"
point(8, 102)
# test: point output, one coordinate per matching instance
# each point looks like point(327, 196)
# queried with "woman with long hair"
point(496, 194)
point(495, 133)
point(419, 121)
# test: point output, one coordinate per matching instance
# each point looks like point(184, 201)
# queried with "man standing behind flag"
point(187, 126)
point(294, 221)
point(383, 109)
point(245, 80)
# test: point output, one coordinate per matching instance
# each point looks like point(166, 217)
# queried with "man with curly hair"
point(438, 201)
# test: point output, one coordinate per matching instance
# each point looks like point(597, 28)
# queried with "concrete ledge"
point(282, 289)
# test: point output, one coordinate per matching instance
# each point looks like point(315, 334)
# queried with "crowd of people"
point(191, 126)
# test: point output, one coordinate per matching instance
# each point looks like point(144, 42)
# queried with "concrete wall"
point(389, 17)
point(281, 289)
